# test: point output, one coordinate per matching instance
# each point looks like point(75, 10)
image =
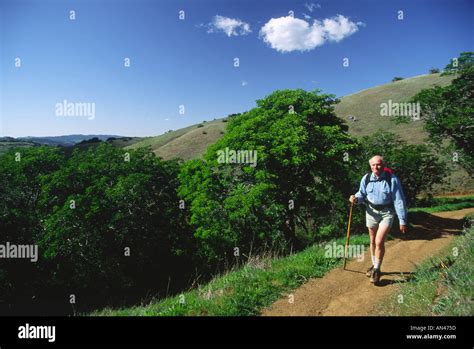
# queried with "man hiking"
point(382, 193)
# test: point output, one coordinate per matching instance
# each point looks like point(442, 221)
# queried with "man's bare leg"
point(372, 234)
point(382, 233)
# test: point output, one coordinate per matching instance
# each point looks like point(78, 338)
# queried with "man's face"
point(376, 166)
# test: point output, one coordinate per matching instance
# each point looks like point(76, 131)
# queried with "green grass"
point(442, 285)
point(246, 291)
point(447, 204)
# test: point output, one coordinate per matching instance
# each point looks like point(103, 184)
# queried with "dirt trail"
point(349, 292)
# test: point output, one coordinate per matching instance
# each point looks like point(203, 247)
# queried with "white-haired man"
point(382, 194)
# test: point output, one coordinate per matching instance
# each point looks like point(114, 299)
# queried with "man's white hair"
point(376, 156)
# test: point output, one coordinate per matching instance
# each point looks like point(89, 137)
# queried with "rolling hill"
point(186, 143)
point(365, 106)
point(69, 141)
point(191, 142)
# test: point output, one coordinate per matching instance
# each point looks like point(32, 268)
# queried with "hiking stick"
point(348, 235)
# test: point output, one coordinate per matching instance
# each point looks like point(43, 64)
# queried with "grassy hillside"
point(190, 142)
point(185, 143)
point(365, 106)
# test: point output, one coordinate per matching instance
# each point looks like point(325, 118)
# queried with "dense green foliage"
point(297, 189)
point(107, 223)
point(20, 219)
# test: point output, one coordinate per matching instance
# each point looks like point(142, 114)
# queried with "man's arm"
point(362, 193)
point(399, 201)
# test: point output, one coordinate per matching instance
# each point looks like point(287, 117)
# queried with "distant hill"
point(69, 142)
point(7, 143)
point(64, 140)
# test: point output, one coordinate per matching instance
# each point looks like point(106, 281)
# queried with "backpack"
point(388, 176)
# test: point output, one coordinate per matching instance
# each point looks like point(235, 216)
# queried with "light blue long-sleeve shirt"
point(378, 192)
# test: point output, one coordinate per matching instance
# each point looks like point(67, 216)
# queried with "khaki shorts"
point(375, 217)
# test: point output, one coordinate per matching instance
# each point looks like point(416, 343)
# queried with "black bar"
point(350, 331)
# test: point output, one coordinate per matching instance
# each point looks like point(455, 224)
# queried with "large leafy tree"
point(106, 221)
point(21, 172)
point(113, 223)
point(298, 185)
point(448, 113)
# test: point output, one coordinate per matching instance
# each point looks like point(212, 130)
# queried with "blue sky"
point(190, 62)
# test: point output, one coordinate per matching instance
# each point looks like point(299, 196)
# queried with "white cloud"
point(286, 34)
point(230, 26)
point(339, 27)
point(312, 6)
point(244, 83)
point(307, 17)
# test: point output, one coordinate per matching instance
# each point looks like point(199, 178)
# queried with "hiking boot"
point(375, 277)
point(369, 271)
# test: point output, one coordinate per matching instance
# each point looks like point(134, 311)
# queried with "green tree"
point(298, 186)
point(21, 172)
point(448, 113)
point(465, 60)
point(113, 225)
